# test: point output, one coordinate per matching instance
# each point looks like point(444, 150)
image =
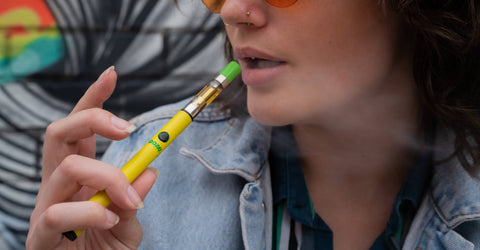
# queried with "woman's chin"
point(268, 117)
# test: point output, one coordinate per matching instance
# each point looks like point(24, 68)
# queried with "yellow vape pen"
point(140, 161)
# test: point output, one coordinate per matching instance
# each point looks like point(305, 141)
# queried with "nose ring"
point(248, 17)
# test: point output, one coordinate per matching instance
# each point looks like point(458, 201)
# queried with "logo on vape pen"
point(156, 145)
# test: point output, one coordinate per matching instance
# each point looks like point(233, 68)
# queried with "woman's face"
point(316, 58)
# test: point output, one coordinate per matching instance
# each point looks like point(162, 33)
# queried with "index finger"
point(98, 92)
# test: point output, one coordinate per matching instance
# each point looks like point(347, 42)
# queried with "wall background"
point(52, 50)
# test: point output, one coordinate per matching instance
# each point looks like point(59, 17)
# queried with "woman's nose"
point(244, 13)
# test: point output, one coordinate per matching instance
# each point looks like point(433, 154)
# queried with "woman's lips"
point(260, 63)
point(258, 68)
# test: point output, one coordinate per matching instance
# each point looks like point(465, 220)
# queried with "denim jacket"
point(214, 188)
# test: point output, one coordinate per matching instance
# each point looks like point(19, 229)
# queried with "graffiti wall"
point(52, 50)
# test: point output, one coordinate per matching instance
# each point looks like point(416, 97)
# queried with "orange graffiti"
point(38, 6)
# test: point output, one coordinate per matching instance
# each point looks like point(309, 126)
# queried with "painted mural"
point(31, 40)
point(52, 50)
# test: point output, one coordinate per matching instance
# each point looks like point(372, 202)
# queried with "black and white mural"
point(52, 50)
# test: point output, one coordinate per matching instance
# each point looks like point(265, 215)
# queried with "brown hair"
point(446, 66)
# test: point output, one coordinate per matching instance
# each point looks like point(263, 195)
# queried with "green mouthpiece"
point(231, 71)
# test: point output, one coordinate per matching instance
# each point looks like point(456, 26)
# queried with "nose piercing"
point(248, 17)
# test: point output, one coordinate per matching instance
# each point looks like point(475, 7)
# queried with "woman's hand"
point(71, 175)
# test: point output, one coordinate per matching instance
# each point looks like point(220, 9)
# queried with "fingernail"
point(112, 218)
point(134, 198)
point(155, 171)
point(105, 73)
point(122, 124)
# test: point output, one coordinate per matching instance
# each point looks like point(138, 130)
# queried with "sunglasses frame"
point(215, 6)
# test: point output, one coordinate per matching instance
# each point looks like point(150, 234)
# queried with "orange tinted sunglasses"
point(216, 5)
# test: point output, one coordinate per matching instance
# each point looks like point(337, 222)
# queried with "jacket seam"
point(453, 222)
point(419, 224)
point(220, 138)
point(187, 153)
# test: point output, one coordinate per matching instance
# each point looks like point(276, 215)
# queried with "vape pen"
point(140, 161)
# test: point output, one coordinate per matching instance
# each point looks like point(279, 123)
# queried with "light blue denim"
point(214, 188)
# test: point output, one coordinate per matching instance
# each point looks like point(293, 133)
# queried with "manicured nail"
point(105, 73)
point(134, 198)
point(155, 171)
point(112, 218)
point(122, 124)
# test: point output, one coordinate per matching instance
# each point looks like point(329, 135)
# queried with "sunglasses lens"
point(281, 3)
point(214, 5)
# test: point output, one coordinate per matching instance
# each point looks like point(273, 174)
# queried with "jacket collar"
point(454, 191)
point(249, 139)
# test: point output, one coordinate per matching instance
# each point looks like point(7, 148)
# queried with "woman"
point(368, 136)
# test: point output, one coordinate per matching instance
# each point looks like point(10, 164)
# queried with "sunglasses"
point(216, 5)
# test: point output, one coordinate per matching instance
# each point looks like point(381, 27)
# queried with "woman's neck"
point(372, 151)
point(355, 167)
point(366, 146)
